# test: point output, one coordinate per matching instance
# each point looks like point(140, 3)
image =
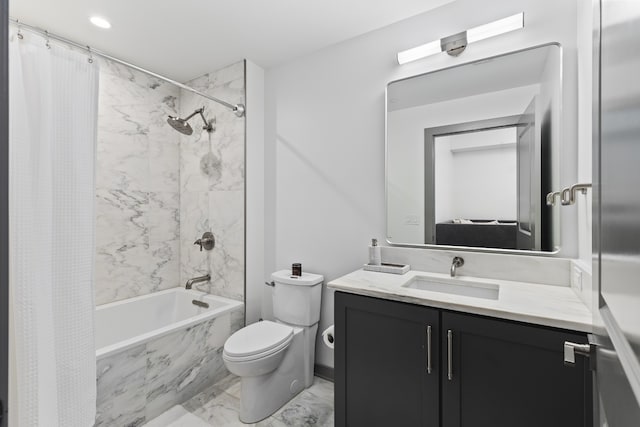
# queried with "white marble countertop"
point(549, 305)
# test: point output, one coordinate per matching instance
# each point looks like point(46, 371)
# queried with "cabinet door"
point(506, 374)
point(381, 367)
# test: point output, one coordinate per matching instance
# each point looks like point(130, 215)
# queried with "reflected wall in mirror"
point(472, 152)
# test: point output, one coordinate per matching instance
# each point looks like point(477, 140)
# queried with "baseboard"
point(324, 372)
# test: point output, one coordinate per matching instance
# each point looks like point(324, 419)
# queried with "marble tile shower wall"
point(212, 185)
point(138, 190)
point(158, 191)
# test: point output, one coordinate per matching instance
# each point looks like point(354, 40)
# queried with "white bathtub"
point(159, 350)
point(124, 324)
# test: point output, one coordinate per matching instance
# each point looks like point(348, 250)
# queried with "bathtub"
point(158, 350)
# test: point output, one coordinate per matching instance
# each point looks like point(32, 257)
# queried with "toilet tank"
point(296, 300)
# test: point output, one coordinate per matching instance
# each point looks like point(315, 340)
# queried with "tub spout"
point(195, 280)
point(457, 262)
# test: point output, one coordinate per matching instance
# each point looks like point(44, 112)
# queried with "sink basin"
point(455, 287)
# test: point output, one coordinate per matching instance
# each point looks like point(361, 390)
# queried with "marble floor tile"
point(269, 422)
point(221, 410)
point(177, 417)
point(230, 385)
point(306, 409)
point(219, 406)
point(321, 389)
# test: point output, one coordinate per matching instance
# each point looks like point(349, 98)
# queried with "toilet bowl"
point(257, 349)
point(274, 359)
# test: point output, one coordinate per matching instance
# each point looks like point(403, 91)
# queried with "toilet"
point(274, 360)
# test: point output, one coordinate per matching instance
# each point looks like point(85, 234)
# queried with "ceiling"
point(187, 38)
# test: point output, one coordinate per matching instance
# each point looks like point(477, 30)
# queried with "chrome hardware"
point(200, 303)
point(272, 284)
point(569, 193)
point(195, 280)
point(457, 262)
point(450, 354)
point(429, 349)
point(207, 241)
point(239, 110)
point(454, 45)
point(572, 349)
point(551, 198)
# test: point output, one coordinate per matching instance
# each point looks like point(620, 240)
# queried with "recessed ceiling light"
point(100, 22)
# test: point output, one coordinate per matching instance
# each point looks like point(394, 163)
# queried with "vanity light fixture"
point(454, 45)
point(100, 22)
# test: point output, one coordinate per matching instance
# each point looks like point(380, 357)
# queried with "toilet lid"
point(257, 338)
point(307, 279)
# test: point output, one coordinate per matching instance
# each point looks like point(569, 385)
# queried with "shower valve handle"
point(207, 241)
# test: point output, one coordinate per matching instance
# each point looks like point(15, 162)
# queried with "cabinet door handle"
point(450, 354)
point(429, 349)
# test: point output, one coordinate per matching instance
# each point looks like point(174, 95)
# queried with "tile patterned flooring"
point(218, 406)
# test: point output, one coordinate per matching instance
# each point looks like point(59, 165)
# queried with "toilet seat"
point(257, 341)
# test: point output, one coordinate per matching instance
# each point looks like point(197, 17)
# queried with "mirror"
point(472, 152)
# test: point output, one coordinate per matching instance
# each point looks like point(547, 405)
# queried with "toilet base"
point(257, 405)
point(261, 396)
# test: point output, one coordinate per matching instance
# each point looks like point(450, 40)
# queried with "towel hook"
point(569, 193)
point(551, 198)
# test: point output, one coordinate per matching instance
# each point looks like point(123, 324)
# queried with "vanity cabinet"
point(382, 363)
point(484, 371)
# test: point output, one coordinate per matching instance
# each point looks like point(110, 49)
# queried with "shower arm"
point(199, 110)
point(207, 124)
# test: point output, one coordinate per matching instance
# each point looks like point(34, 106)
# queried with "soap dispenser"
point(374, 253)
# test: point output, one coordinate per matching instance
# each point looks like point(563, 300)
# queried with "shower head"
point(183, 126)
point(180, 125)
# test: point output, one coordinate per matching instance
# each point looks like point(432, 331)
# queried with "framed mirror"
point(473, 150)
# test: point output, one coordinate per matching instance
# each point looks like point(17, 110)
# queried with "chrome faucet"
point(195, 280)
point(457, 262)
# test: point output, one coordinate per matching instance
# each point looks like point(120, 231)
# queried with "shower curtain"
point(53, 115)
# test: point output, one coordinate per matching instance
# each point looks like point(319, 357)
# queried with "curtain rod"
point(238, 109)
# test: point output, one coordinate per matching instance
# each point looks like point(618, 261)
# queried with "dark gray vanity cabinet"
point(484, 371)
point(382, 363)
point(502, 374)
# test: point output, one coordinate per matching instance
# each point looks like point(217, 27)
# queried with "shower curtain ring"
point(20, 36)
point(46, 34)
point(90, 54)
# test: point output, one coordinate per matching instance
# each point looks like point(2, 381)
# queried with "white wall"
point(324, 147)
point(585, 111)
point(549, 101)
point(406, 157)
point(255, 218)
point(477, 184)
point(444, 173)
